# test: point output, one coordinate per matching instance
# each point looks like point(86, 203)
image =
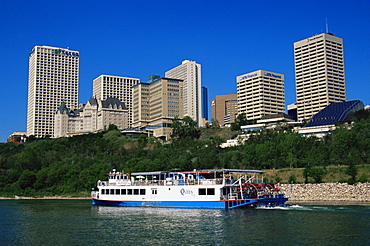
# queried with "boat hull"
point(173, 204)
point(223, 204)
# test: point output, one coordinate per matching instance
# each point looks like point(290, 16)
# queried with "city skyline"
point(125, 39)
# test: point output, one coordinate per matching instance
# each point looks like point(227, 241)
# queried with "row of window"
point(115, 79)
point(201, 191)
point(123, 191)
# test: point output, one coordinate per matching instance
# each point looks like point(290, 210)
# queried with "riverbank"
point(329, 192)
point(359, 192)
point(45, 197)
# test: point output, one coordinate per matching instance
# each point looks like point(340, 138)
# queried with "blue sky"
point(142, 38)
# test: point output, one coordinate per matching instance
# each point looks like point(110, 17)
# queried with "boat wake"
point(287, 207)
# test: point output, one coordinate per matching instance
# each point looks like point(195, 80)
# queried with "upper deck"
point(225, 177)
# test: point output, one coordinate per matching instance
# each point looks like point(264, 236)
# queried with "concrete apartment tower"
point(106, 86)
point(190, 73)
point(53, 78)
point(319, 73)
point(156, 103)
point(225, 109)
point(260, 93)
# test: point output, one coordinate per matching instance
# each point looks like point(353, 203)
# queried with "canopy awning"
point(200, 171)
point(149, 173)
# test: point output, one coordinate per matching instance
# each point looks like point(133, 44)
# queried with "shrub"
point(292, 179)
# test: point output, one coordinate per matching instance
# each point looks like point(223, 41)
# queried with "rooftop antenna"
point(327, 27)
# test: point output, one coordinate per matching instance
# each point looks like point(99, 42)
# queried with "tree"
point(240, 120)
point(306, 173)
point(292, 179)
point(352, 171)
point(215, 123)
point(27, 179)
point(184, 128)
point(361, 115)
point(316, 173)
point(31, 138)
point(112, 127)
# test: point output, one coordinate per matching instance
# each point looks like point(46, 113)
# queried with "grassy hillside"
point(334, 174)
point(224, 133)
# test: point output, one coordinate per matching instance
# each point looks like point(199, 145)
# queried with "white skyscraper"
point(319, 72)
point(53, 79)
point(106, 86)
point(260, 93)
point(190, 73)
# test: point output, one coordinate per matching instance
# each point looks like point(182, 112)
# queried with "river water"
point(77, 222)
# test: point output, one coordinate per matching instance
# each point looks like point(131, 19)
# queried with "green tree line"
point(64, 166)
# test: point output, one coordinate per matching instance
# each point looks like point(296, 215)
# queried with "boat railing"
point(232, 196)
point(94, 194)
point(167, 182)
point(268, 195)
point(102, 183)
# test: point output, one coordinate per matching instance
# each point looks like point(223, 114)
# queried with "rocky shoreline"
point(359, 192)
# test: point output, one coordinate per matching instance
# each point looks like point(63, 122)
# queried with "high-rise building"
point(156, 103)
point(319, 72)
point(106, 86)
point(53, 79)
point(204, 103)
point(260, 93)
point(225, 109)
point(190, 73)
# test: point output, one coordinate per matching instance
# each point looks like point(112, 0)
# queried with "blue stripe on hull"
point(208, 204)
point(225, 204)
point(273, 201)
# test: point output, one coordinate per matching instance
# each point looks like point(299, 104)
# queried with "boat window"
point(107, 191)
point(123, 191)
point(103, 191)
point(136, 191)
point(111, 191)
point(154, 191)
point(210, 191)
point(142, 191)
point(129, 191)
point(202, 191)
point(118, 191)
